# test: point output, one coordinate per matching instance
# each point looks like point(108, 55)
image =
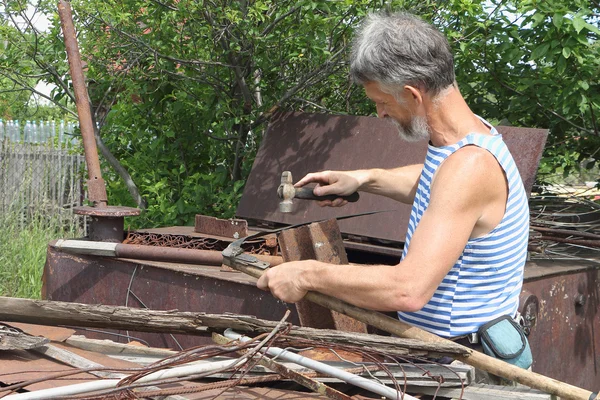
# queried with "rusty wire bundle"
point(564, 227)
point(130, 388)
point(262, 246)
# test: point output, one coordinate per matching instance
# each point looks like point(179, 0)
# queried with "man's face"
point(411, 127)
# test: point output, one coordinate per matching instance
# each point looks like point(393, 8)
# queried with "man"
point(467, 236)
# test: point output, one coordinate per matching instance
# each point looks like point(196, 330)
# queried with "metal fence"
point(41, 169)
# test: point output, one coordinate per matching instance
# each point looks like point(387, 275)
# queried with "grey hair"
point(401, 49)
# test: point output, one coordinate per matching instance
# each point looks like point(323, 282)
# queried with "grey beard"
point(416, 131)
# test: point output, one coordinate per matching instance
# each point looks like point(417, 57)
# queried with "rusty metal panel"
point(565, 340)
point(98, 280)
point(526, 146)
point(303, 143)
point(53, 333)
point(16, 366)
point(322, 242)
point(231, 228)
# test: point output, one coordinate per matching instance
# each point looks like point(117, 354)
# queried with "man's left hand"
point(286, 281)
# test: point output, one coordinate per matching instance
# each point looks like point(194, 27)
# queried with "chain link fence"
point(41, 170)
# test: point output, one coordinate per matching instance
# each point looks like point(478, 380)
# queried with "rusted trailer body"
point(560, 299)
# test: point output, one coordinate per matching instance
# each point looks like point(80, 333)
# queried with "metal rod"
point(151, 253)
point(553, 231)
point(96, 186)
point(282, 370)
point(87, 387)
point(558, 239)
point(352, 379)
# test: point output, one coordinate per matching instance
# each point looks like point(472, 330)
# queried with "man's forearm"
point(399, 184)
point(374, 287)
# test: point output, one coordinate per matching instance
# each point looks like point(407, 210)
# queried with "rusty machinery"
point(106, 221)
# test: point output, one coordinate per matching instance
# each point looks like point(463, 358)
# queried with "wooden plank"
point(75, 360)
point(145, 320)
point(109, 347)
point(485, 392)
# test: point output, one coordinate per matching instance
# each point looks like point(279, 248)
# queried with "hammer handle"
point(307, 194)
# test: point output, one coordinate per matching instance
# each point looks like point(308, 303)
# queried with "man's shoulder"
point(470, 171)
point(472, 159)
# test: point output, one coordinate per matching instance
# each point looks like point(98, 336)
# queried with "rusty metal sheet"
point(231, 228)
point(565, 340)
point(17, 366)
point(322, 242)
point(303, 143)
point(98, 280)
point(53, 333)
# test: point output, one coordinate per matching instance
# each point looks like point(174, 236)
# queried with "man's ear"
point(413, 94)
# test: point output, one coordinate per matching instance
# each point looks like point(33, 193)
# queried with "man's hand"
point(286, 281)
point(342, 183)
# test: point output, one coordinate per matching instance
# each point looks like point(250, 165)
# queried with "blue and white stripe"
point(486, 280)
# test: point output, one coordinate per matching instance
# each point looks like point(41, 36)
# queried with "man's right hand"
point(342, 183)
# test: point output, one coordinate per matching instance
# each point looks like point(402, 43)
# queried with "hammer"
point(286, 191)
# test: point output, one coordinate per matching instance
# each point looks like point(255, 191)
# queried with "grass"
point(23, 250)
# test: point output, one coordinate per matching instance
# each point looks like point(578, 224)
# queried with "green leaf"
point(561, 65)
point(578, 23)
point(557, 19)
point(592, 28)
point(538, 18)
point(566, 52)
point(540, 51)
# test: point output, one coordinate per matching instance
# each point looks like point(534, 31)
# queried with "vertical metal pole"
point(96, 185)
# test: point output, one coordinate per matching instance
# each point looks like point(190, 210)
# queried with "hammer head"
point(286, 192)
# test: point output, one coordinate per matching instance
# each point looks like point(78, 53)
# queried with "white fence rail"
point(41, 169)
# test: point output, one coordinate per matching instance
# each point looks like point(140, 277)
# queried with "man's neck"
point(450, 119)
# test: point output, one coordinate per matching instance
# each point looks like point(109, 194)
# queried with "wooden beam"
point(59, 313)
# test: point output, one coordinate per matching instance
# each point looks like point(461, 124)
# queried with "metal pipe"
point(150, 253)
point(567, 232)
point(352, 379)
point(87, 387)
point(558, 239)
point(96, 185)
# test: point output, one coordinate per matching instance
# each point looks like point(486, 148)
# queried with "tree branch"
point(165, 5)
point(156, 53)
point(116, 165)
point(594, 124)
point(307, 79)
point(33, 90)
point(543, 107)
point(313, 104)
point(277, 20)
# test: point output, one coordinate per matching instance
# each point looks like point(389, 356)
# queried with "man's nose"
point(381, 113)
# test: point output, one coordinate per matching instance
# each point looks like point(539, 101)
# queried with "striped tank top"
point(486, 280)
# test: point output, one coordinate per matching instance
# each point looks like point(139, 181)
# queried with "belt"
point(467, 341)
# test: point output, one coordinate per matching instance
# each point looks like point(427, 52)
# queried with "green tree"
point(190, 86)
point(182, 90)
point(536, 63)
point(23, 63)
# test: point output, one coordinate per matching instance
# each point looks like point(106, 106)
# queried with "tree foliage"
point(536, 63)
point(182, 90)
